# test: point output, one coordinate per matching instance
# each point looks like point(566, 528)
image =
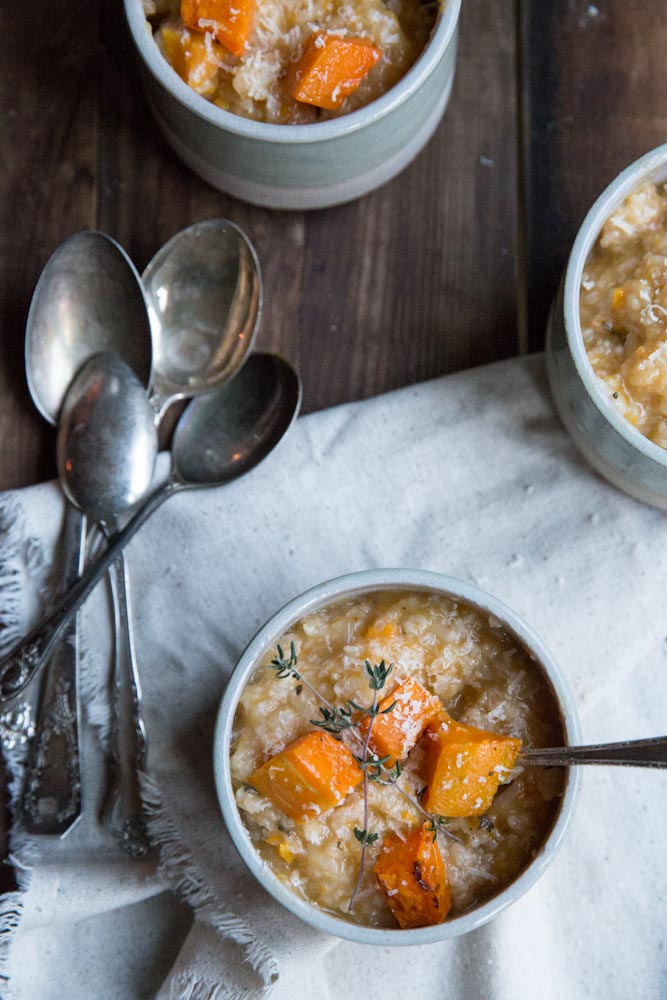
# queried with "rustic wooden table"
point(451, 265)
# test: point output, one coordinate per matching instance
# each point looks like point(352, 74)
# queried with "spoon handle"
point(122, 813)
point(630, 753)
point(50, 802)
point(19, 667)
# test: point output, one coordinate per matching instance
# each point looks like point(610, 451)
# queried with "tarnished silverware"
point(650, 752)
point(221, 436)
point(88, 298)
point(50, 802)
point(107, 445)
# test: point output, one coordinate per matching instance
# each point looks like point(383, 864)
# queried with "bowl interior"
point(652, 166)
point(356, 585)
point(440, 40)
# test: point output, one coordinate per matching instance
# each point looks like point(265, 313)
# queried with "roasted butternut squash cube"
point(192, 60)
point(331, 68)
point(413, 875)
point(310, 776)
point(464, 767)
point(229, 21)
point(395, 733)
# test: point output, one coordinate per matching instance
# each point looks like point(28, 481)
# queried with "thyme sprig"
point(335, 720)
point(287, 668)
point(339, 719)
point(378, 675)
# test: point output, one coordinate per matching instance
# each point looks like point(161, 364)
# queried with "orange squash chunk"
point(191, 59)
point(413, 876)
point(230, 21)
point(464, 767)
point(395, 733)
point(331, 68)
point(312, 774)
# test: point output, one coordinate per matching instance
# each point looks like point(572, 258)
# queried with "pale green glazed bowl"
point(301, 166)
point(615, 449)
point(352, 586)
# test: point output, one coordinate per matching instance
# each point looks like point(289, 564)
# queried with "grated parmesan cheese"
point(254, 85)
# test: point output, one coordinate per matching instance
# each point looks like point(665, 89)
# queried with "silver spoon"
point(88, 299)
point(650, 752)
point(204, 289)
point(204, 293)
point(105, 404)
point(220, 436)
point(107, 439)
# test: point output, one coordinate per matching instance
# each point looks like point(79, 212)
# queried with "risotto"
point(291, 61)
point(623, 308)
point(450, 815)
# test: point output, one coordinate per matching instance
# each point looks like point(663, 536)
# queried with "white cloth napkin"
point(471, 475)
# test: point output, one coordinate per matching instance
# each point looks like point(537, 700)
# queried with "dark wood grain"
point(593, 87)
point(47, 190)
point(415, 280)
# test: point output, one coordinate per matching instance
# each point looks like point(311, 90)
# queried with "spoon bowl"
point(224, 435)
point(107, 439)
point(88, 299)
point(204, 294)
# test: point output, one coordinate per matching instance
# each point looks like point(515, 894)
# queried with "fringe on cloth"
point(24, 587)
point(187, 988)
point(182, 873)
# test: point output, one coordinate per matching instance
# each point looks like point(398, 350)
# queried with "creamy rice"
point(623, 308)
point(483, 679)
point(255, 85)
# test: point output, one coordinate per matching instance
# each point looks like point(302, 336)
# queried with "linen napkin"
point(471, 475)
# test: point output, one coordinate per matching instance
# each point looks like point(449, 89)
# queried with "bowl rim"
point(612, 196)
point(158, 66)
point(354, 584)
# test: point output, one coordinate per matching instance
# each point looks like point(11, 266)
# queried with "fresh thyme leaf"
point(378, 674)
point(438, 824)
point(334, 720)
point(379, 761)
point(389, 709)
point(286, 668)
point(364, 837)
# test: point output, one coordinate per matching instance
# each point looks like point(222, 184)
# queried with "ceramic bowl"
point(616, 449)
point(352, 586)
point(301, 166)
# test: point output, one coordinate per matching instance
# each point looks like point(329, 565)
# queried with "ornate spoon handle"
point(122, 813)
point(50, 803)
point(630, 753)
point(19, 667)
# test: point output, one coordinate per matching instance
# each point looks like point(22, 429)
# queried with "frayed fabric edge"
point(23, 855)
point(21, 556)
point(182, 873)
point(194, 988)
